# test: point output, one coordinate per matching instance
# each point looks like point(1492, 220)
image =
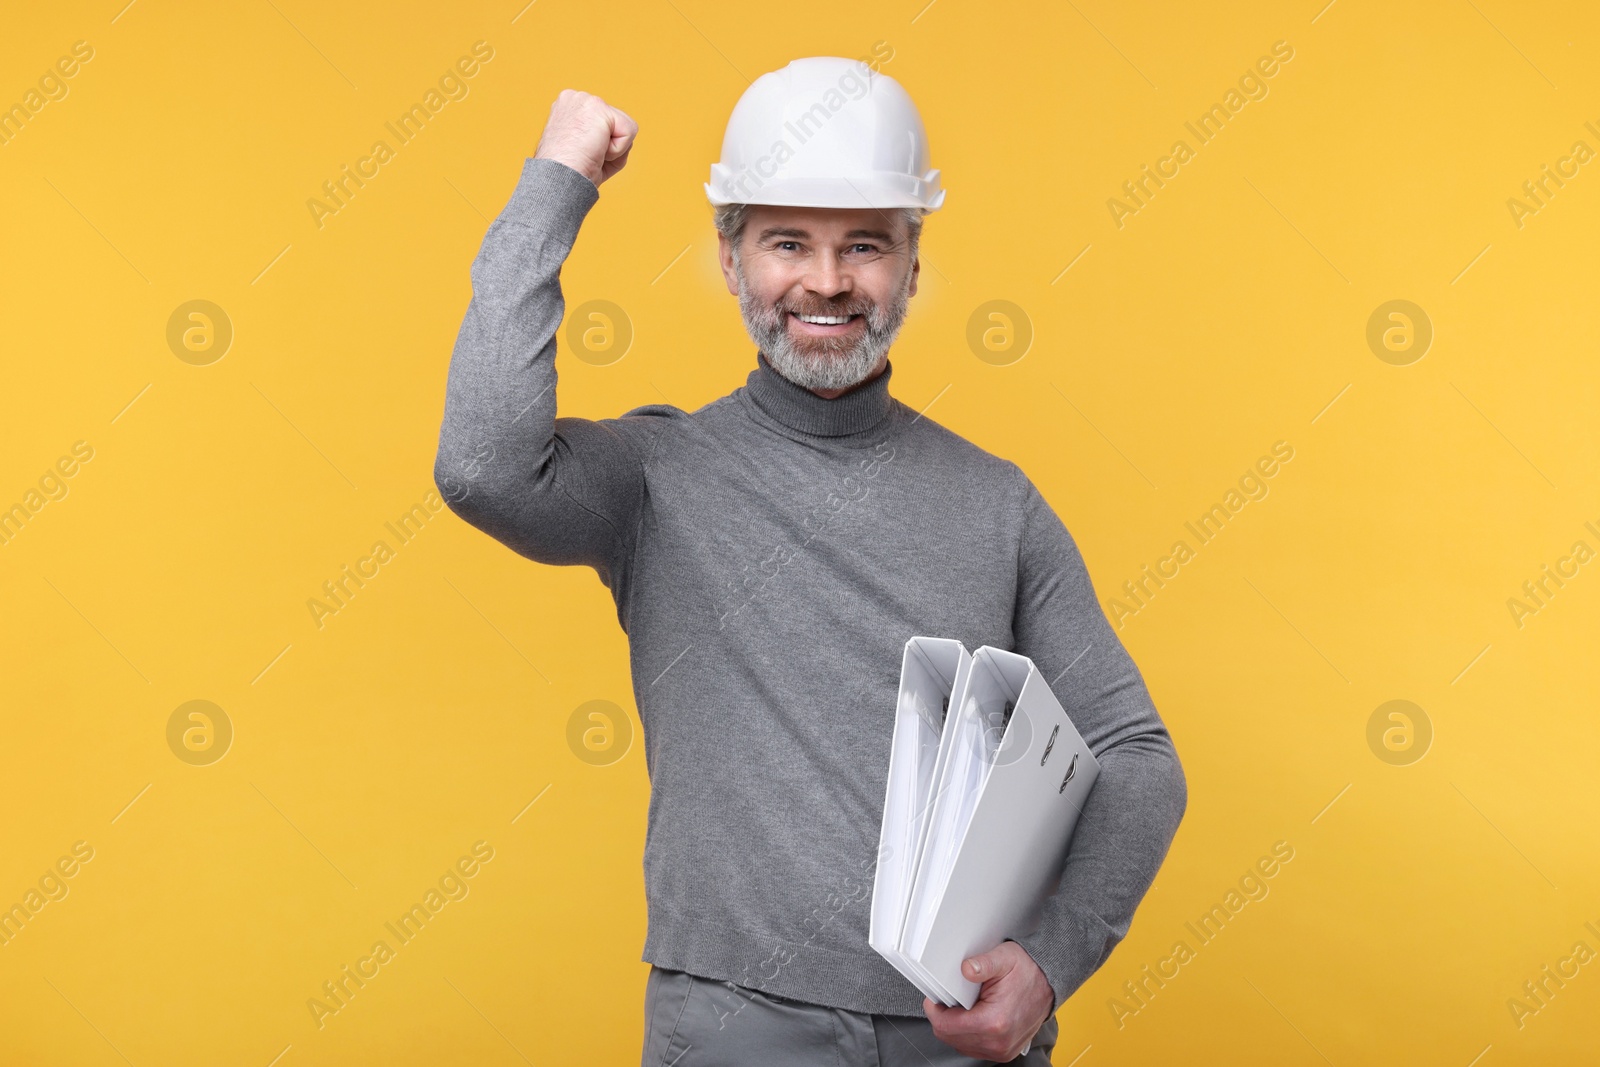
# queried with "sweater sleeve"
point(1133, 811)
point(559, 491)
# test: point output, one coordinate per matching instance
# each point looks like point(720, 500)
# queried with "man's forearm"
point(500, 402)
point(1122, 837)
point(1133, 811)
point(500, 397)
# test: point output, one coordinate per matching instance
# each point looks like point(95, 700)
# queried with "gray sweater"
point(769, 554)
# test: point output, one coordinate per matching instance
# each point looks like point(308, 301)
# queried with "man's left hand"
point(1014, 1002)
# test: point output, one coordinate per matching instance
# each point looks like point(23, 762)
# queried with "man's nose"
point(826, 278)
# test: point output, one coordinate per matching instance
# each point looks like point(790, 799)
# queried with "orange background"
point(432, 711)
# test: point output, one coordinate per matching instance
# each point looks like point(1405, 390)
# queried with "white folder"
point(1010, 780)
point(932, 669)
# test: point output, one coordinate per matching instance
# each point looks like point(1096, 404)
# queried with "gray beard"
point(827, 362)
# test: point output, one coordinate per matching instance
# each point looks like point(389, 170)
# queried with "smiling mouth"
point(823, 325)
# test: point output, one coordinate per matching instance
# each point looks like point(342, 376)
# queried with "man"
point(769, 554)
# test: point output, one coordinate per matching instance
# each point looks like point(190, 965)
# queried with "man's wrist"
point(573, 165)
point(552, 198)
point(1055, 999)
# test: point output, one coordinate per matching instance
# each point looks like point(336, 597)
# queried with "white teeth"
point(825, 320)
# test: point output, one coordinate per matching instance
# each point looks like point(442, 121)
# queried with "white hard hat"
point(825, 132)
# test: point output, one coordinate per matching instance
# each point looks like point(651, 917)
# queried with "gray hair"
point(730, 220)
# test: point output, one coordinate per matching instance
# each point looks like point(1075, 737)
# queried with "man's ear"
point(725, 257)
point(916, 268)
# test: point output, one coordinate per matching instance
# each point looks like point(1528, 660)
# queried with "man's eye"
point(865, 247)
point(788, 246)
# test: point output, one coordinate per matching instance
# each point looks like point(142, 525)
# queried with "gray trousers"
point(699, 1022)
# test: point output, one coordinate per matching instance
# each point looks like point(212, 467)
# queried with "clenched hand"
point(1011, 1007)
point(588, 135)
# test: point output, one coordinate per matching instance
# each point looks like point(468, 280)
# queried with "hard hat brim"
point(881, 191)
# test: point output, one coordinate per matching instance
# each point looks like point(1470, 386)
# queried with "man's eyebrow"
point(794, 231)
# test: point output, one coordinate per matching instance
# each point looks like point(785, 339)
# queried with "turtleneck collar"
point(798, 408)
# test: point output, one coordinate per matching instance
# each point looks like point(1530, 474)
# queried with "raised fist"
point(588, 135)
